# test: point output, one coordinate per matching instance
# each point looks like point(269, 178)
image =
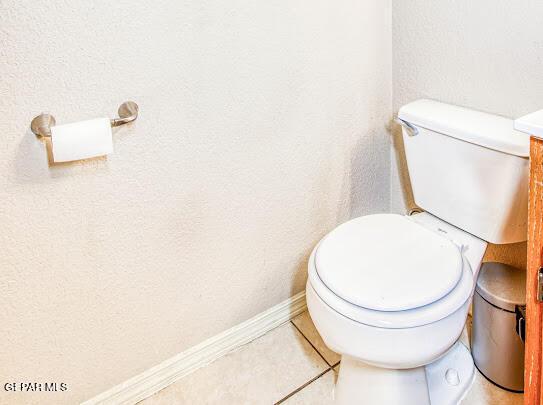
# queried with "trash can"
point(497, 348)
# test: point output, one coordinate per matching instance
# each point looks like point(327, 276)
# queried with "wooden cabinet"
point(533, 382)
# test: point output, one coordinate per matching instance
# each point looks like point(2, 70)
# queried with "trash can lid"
point(502, 285)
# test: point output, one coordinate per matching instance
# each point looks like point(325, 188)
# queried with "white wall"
point(485, 54)
point(262, 126)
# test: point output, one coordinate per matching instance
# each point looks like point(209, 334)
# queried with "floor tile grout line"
point(311, 344)
point(301, 387)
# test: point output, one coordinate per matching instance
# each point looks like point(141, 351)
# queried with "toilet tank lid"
point(487, 130)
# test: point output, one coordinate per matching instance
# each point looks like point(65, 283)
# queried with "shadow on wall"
point(34, 163)
point(368, 188)
point(401, 167)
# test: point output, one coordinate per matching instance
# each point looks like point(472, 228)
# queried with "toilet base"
point(451, 376)
point(443, 382)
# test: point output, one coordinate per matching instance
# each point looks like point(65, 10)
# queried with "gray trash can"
point(497, 349)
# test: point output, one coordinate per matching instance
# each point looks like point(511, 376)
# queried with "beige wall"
point(486, 55)
point(262, 126)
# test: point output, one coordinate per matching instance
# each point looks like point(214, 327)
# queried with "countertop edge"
point(531, 124)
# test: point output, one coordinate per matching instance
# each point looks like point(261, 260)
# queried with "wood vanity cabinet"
point(533, 381)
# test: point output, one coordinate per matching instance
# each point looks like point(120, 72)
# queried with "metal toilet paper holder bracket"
point(41, 125)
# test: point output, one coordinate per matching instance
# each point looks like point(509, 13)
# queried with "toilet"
point(391, 293)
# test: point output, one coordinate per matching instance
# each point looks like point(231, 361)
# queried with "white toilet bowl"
point(387, 344)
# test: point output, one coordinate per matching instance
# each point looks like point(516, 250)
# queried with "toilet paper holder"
point(41, 125)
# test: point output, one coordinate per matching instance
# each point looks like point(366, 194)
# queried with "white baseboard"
point(171, 370)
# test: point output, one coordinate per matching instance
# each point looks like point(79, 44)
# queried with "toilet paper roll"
point(81, 140)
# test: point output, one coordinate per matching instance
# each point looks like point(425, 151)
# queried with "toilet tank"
point(468, 168)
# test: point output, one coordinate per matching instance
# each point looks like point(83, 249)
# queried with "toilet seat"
point(433, 310)
point(387, 262)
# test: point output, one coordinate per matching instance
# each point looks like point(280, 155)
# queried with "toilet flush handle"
point(410, 128)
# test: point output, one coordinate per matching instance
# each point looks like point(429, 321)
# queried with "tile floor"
point(289, 365)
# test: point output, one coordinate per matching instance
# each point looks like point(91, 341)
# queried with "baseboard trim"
point(158, 377)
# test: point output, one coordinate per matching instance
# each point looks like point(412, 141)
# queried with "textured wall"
point(262, 126)
point(485, 54)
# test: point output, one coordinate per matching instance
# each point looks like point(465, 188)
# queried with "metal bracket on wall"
point(41, 125)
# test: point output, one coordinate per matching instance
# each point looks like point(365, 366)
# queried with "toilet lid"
point(387, 262)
